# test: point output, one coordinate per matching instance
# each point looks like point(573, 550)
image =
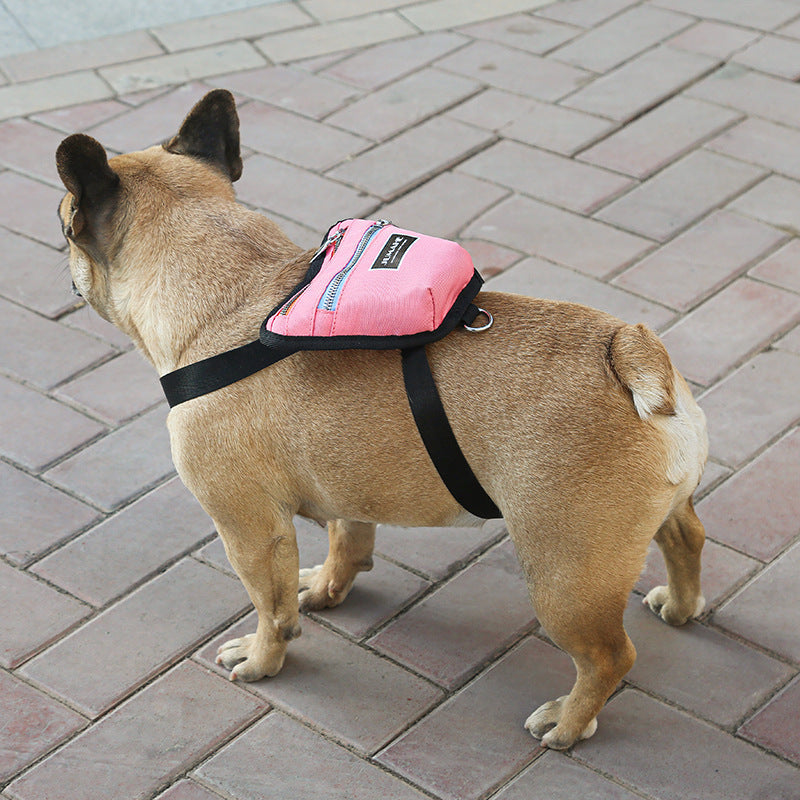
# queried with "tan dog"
point(577, 424)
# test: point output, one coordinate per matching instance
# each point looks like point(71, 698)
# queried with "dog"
point(576, 424)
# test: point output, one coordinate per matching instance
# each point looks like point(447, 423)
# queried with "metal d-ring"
point(485, 327)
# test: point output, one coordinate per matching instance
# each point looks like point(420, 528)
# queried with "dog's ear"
point(211, 132)
point(83, 166)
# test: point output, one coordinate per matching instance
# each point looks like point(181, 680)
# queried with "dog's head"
point(119, 211)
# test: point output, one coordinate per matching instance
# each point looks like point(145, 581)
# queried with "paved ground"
point(643, 157)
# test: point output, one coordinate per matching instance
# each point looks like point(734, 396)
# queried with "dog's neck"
point(184, 299)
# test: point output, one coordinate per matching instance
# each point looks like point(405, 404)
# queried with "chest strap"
point(216, 372)
point(438, 436)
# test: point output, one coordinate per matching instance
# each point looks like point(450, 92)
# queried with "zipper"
point(287, 306)
point(330, 297)
point(334, 240)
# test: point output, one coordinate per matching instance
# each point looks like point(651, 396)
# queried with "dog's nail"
point(232, 676)
point(218, 659)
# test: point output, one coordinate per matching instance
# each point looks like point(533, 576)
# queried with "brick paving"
point(636, 155)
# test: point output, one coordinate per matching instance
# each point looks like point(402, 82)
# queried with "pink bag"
point(372, 284)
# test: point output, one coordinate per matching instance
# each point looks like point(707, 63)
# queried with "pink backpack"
point(376, 286)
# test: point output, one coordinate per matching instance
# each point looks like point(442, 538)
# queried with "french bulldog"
point(576, 424)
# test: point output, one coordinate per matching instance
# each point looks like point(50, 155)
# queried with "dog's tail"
point(641, 363)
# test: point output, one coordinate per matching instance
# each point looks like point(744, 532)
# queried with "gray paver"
point(283, 135)
point(344, 690)
point(33, 615)
point(195, 711)
point(701, 261)
point(117, 390)
point(742, 419)
point(700, 669)
point(107, 560)
point(305, 197)
point(524, 32)
point(578, 242)
point(766, 16)
point(404, 103)
point(489, 715)
point(586, 13)
point(687, 747)
point(384, 63)
point(144, 452)
point(442, 205)
point(452, 632)
point(556, 777)
point(336, 37)
point(38, 723)
point(515, 71)
point(134, 640)
point(717, 323)
point(415, 155)
point(682, 193)
point(446, 13)
point(546, 176)
point(755, 93)
point(41, 352)
point(36, 516)
point(662, 135)
point(254, 766)
point(294, 89)
point(775, 726)
point(753, 613)
point(26, 413)
point(641, 83)
point(621, 38)
point(33, 275)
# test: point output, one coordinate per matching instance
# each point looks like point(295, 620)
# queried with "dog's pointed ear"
point(211, 132)
point(83, 167)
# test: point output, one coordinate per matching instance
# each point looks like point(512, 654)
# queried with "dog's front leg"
point(349, 552)
point(265, 558)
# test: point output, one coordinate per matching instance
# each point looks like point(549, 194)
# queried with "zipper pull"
point(333, 239)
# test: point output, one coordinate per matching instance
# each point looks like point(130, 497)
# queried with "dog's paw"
point(248, 662)
point(309, 577)
point(318, 591)
point(544, 724)
point(660, 601)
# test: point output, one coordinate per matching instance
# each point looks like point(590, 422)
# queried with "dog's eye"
point(64, 227)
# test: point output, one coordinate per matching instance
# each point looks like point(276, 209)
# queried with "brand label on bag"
point(393, 251)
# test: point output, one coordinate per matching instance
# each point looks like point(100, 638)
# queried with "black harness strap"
point(210, 374)
point(438, 436)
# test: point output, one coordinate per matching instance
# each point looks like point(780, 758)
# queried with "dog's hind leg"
point(681, 540)
point(266, 561)
point(349, 552)
point(602, 653)
point(579, 581)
